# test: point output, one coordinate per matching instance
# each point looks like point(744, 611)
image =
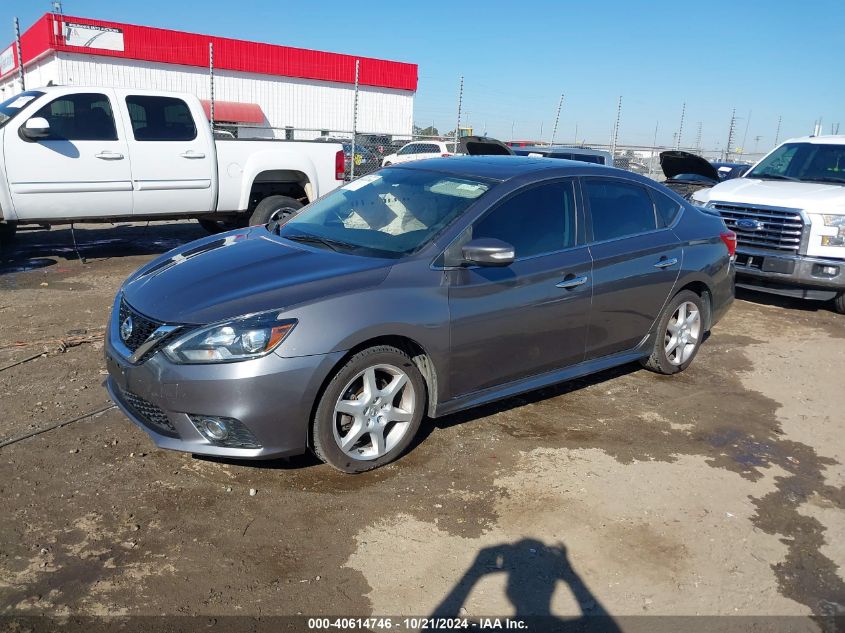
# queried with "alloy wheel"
point(374, 412)
point(683, 333)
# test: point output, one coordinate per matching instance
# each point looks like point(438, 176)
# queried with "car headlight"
point(243, 338)
point(837, 222)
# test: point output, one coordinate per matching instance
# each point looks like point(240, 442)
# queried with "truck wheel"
point(839, 303)
point(7, 237)
point(370, 410)
point(219, 226)
point(680, 331)
point(274, 209)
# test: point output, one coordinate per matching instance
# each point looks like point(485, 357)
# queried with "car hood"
point(483, 146)
point(814, 197)
point(242, 272)
point(675, 162)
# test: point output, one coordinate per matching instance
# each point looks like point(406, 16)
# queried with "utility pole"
point(777, 134)
point(730, 135)
point(616, 127)
point(460, 102)
point(19, 54)
point(557, 118)
point(681, 126)
point(698, 138)
point(745, 134)
point(651, 168)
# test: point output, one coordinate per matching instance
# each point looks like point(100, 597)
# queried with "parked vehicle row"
point(788, 212)
point(423, 289)
point(74, 154)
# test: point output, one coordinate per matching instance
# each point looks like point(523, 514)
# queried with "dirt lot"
point(719, 491)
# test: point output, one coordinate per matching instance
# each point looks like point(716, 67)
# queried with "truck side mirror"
point(35, 128)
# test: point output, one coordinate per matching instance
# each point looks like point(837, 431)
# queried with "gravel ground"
point(719, 491)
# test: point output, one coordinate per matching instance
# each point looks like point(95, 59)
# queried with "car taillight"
point(339, 166)
point(445, 155)
point(729, 238)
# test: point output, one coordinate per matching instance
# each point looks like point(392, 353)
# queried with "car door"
point(531, 316)
point(81, 169)
point(173, 161)
point(636, 262)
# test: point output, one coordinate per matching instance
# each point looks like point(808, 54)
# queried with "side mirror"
point(488, 251)
point(35, 128)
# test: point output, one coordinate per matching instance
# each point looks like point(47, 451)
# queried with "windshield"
point(10, 107)
point(807, 162)
point(388, 214)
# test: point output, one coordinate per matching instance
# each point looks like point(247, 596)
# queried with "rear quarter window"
point(667, 208)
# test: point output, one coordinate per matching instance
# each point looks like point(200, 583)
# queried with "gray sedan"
point(419, 290)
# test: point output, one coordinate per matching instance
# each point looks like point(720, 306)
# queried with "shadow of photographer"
point(533, 572)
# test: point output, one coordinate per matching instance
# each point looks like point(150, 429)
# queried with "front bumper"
point(789, 274)
point(272, 396)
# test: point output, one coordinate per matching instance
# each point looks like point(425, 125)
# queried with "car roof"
point(832, 139)
point(508, 167)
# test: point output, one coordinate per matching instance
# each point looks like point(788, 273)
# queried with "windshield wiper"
point(773, 177)
point(335, 245)
point(837, 179)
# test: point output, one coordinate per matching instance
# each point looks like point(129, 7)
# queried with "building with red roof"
point(301, 93)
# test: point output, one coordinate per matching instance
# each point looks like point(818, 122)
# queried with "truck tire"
point(839, 303)
point(7, 237)
point(274, 209)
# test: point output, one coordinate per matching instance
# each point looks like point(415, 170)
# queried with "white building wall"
point(286, 101)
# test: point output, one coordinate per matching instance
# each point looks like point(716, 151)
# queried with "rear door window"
point(536, 221)
point(80, 117)
point(618, 208)
point(160, 119)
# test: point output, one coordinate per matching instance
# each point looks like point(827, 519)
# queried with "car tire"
point(839, 303)
point(676, 344)
point(220, 226)
point(358, 406)
point(274, 209)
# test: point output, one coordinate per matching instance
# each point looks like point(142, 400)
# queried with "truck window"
point(80, 117)
point(160, 119)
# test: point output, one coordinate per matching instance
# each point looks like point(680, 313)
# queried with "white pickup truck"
point(788, 212)
point(74, 154)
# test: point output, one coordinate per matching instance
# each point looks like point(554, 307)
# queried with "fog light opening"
point(215, 429)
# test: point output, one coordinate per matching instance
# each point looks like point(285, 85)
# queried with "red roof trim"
point(191, 49)
point(234, 112)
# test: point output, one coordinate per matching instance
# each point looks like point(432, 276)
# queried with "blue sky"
point(768, 59)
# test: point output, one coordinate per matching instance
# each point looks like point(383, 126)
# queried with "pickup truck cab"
point(788, 212)
point(77, 154)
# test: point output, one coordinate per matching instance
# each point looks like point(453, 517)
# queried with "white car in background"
point(418, 150)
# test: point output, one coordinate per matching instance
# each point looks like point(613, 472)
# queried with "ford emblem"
point(747, 224)
point(126, 328)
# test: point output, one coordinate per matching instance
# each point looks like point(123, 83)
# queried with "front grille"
point(777, 229)
point(148, 413)
point(142, 326)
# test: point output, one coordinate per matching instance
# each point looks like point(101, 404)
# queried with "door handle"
point(192, 154)
point(109, 156)
point(573, 282)
point(665, 263)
